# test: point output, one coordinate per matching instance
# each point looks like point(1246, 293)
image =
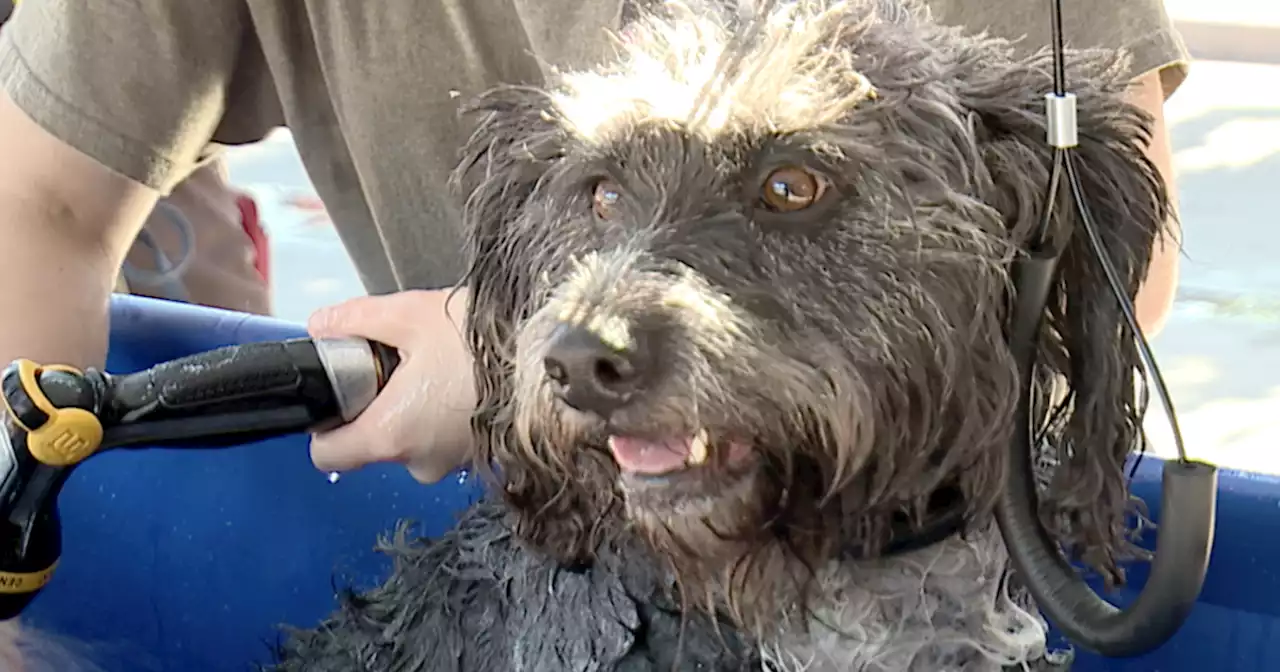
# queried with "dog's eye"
point(605, 198)
point(792, 188)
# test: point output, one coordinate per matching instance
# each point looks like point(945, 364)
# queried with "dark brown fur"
point(874, 361)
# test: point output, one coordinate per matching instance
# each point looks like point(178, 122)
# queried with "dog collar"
point(943, 518)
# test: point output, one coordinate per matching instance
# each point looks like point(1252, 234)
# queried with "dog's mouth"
point(679, 483)
point(670, 456)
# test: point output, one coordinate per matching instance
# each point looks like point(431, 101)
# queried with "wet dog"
point(738, 304)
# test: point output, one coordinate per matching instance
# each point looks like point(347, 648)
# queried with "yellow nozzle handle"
point(69, 436)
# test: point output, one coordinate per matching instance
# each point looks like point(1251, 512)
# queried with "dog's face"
point(744, 303)
point(747, 294)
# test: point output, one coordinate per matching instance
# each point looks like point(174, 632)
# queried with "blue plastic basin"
point(190, 560)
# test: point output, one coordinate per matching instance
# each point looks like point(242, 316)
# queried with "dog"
point(738, 306)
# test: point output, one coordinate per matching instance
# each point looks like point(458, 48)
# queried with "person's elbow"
point(1155, 297)
point(66, 222)
point(57, 199)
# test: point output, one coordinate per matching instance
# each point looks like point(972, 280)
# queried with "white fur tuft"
point(944, 608)
point(672, 69)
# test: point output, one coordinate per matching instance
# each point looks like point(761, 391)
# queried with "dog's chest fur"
point(477, 601)
point(947, 608)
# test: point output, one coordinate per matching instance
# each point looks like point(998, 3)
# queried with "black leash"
point(1189, 488)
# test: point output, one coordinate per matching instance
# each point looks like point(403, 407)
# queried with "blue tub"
point(189, 561)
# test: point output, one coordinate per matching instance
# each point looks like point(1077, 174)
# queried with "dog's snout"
point(592, 375)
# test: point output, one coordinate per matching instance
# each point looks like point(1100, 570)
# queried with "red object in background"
point(306, 202)
point(310, 204)
point(253, 227)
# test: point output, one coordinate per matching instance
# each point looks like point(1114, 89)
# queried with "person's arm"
point(102, 107)
point(1155, 297)
point(65, 223)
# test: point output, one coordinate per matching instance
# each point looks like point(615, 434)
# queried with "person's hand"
point(421, 419)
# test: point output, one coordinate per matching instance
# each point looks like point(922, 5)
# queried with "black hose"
point(1189, 492)
point(1188, 509)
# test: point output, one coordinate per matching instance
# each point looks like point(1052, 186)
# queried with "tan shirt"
point(371, 90)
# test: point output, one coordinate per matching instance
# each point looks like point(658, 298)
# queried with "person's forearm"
point(1155, 297)
point(61, 265)
point(65, 225)
point(53, 307)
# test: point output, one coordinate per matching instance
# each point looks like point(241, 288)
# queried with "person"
point(106, 106)
point(201, 244)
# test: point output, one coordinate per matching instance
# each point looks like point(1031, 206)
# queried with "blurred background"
point(1220, 352)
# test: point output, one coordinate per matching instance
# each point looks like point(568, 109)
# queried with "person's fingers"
point(374, 436)
point(393, 319)
point(327, 454)
point(430, 472)
point(386, 431)
point(410, 422)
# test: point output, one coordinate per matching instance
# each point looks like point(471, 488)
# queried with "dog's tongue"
point(642, 456)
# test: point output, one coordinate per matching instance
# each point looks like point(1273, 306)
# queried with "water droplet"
point(334, 476)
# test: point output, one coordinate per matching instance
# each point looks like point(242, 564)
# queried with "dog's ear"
point(1085, 343)
point(516, 141)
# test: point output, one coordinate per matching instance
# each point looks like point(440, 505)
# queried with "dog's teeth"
point(698, 448)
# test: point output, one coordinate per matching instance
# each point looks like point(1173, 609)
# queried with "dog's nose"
point(592, 376)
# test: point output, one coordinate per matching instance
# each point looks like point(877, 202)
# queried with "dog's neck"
point(945, 607)
point(943, 517)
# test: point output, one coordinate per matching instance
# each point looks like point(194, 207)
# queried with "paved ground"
point(1220, 352)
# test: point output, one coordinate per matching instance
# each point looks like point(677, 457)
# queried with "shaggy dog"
point(738, 305)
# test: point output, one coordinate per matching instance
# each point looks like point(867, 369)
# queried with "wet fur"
point(862, 347)
point(25, 649)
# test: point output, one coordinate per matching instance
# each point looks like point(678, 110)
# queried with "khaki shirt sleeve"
point(142, 86)
point(1140, 27)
